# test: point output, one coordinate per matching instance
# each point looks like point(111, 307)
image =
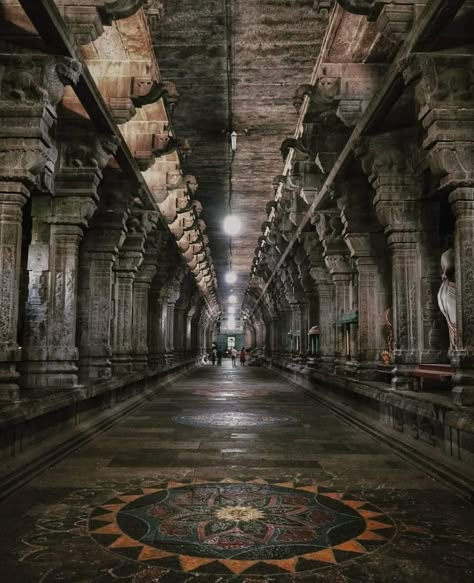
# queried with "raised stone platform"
point(425, 427)
point(40, 430)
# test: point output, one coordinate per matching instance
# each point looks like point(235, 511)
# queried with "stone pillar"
point(157, 325)
point(50, 357)
point(336, 256)
point(327, 315)
point(58, 225)
point(125, 269)
point(364, 238)
point(387, 160)
point(372, 303)
point(141, 290)
point(13, 196)
point(443, 90)
point(31, 87)
point(97, 256)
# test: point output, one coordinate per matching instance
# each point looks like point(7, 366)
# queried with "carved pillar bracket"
point(86, 19)
point(393, 18)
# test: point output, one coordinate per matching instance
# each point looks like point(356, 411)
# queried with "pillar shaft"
point(13, 196)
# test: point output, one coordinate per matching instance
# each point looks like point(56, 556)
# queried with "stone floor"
point(235, 476)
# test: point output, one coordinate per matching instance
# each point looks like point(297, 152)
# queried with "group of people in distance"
point(216, 356)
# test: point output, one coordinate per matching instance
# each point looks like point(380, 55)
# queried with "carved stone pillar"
point(13, 196)
point(327, 316)
point(98, 254)
point(58, 224)
point(387, 159)
point(336, 258)
point(157, 325)
point(31, 87)
point(125, 270)
point(170, 307)
point(443, 89)
point(141, 289)
point(50, 358)
point(366, 242)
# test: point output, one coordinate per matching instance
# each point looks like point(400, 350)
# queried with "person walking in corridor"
point(242, 356)
point(233, 354)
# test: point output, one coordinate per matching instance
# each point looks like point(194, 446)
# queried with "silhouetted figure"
point(233, 354)
point(242, 357)
point(219, 357)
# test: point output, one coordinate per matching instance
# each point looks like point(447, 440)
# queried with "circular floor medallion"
point(229, 527)
point(231, 419)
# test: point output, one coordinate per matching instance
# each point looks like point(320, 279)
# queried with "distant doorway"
point(230, 342)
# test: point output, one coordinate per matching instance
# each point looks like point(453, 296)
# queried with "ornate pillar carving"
point(324, 287)
point(58, 225)
point(97, 256)
point(125, 269)
point(443, 90)
point(336, 257)
point(364, 237)
point(30, 88)
point(50, 315)
point(387, 160)
point(141, 290)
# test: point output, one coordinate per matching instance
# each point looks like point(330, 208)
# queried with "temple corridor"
point(235, 475)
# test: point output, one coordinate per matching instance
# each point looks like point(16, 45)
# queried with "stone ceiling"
point(236, 65)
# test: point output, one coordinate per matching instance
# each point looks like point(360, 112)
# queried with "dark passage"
point(233, 475)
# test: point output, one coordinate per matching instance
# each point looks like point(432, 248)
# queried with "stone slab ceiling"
point(237, 63)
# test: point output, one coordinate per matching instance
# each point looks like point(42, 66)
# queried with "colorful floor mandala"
point(228, 527)
point(231, 419)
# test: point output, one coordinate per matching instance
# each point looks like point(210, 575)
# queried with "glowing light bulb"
point(231, 310)
point(230, 277)
point(232, 225)
point(232, 299)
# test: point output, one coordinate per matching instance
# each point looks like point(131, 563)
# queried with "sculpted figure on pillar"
point(447, 296)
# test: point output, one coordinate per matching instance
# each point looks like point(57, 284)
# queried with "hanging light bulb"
point(232, 299)
point(230, 277)
point(231, 322)
point(233, 141)
point(231, 310)
point(232, 225)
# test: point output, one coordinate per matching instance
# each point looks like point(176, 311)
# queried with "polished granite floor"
point(235, 476)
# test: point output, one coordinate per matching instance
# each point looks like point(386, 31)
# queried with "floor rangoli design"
point(231, 527)
point(231, 419)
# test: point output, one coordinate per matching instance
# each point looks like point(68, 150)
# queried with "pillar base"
point(122, 364)
point(140, 361)
point(463, 388)
point(49, 375)
point(94, 368)
point(9, 377)
point(402, 380)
